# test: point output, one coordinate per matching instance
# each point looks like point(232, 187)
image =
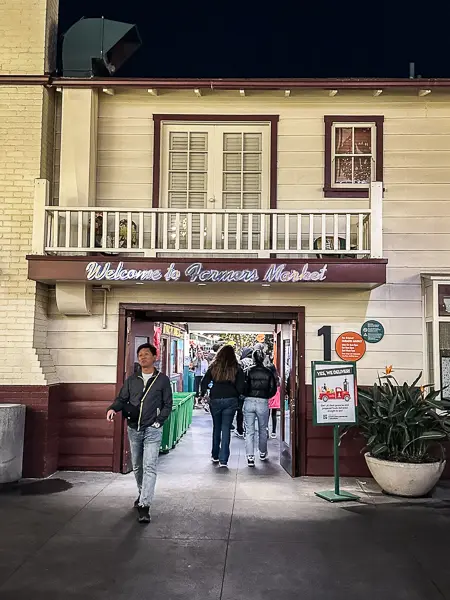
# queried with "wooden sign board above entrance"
point(350, 346)
point(367, 273)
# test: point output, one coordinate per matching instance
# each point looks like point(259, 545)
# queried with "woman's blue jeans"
point(222, 412)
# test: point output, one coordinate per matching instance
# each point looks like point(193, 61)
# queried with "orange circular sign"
point(260, 337)
point(350, 346)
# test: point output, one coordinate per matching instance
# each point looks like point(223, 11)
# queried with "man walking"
point(146, 402)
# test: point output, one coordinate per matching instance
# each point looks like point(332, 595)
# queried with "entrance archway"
point(290, 323)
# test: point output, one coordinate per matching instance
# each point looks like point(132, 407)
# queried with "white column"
point(78, 147)
point(41, 200)
point(376, 219)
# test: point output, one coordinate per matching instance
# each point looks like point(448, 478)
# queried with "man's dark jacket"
point(157, 404)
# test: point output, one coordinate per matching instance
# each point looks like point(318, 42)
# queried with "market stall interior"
point(183, 334)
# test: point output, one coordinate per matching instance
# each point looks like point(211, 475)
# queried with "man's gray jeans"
point(256, 409)
point(144, 447)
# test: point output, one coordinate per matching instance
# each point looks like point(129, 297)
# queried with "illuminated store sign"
point(196, 273)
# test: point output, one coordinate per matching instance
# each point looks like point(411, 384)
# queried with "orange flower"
point(422, 389)
point(388, 370)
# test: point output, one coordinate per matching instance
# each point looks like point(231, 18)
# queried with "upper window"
point(353, 155)
point(212, 166)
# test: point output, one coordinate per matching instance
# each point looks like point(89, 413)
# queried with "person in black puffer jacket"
point(246, 362)
point(260, 386)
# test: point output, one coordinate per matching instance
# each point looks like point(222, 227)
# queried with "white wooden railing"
point(161, 231)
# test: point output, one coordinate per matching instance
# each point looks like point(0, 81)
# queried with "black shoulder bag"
point(133, 412)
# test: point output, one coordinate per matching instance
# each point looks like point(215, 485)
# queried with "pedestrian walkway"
point(239, 534)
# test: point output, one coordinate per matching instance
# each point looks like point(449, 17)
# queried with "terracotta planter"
point(405, 479)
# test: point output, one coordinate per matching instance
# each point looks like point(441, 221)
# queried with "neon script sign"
point(196, 273)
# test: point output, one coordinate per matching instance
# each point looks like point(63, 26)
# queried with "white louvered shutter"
point(188, 169)
point(242, 179)
point(187, 181)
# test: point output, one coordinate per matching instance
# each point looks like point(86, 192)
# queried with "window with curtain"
point(353, 155)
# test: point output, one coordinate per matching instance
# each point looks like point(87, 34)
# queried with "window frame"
point(158, 159)
point(355, 190)
point(431, 295)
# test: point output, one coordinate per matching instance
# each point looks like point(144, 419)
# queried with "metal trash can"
point(12, 430)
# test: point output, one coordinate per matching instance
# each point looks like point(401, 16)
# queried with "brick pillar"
point(41, 426)
point(27, 43)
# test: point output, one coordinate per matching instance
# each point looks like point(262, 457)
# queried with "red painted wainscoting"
point(40, 453)
point(319, 443)
point(85, 437)
point(319, 449)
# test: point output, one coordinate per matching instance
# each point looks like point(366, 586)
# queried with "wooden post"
point(41, 198)
point(376, 219)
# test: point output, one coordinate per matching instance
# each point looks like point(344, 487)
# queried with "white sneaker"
point(251, 461)
point(273, 436)
point(263, 455)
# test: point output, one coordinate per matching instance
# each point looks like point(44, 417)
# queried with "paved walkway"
point(232, 535)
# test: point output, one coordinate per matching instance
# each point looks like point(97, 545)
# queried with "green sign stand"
point(337, 495)
point(335, 400)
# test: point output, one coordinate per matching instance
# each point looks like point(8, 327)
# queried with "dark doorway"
point(136, 325)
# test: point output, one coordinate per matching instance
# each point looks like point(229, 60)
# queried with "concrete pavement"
point(216, 534)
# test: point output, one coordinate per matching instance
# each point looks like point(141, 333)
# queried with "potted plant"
point(123, 234)
point(405, 427)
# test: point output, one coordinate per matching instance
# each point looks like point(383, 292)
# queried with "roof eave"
point(225, 84)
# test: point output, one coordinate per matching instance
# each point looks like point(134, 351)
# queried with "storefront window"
point(429, 327)
point(437, 317)
point(444, 300)
point(174, 356)
point(444, 356)
point(180, 347)
point(138, 341)
point(287, 379)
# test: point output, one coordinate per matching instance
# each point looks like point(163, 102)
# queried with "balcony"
point(160, 232)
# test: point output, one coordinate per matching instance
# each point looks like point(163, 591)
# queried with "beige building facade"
point(107, 186)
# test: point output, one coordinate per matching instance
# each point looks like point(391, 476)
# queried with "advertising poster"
point(335, 394)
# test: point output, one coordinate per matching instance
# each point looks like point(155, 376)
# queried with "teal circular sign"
point(372, 332)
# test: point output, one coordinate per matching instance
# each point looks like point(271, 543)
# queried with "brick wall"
point(27, 116)
point(41, 426)
point(27, 36)
point(27, 43)
point(22, 319)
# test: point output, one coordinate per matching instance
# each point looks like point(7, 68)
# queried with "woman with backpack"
point(226, 383)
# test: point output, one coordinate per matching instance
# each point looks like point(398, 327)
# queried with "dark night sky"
point(318, 38)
